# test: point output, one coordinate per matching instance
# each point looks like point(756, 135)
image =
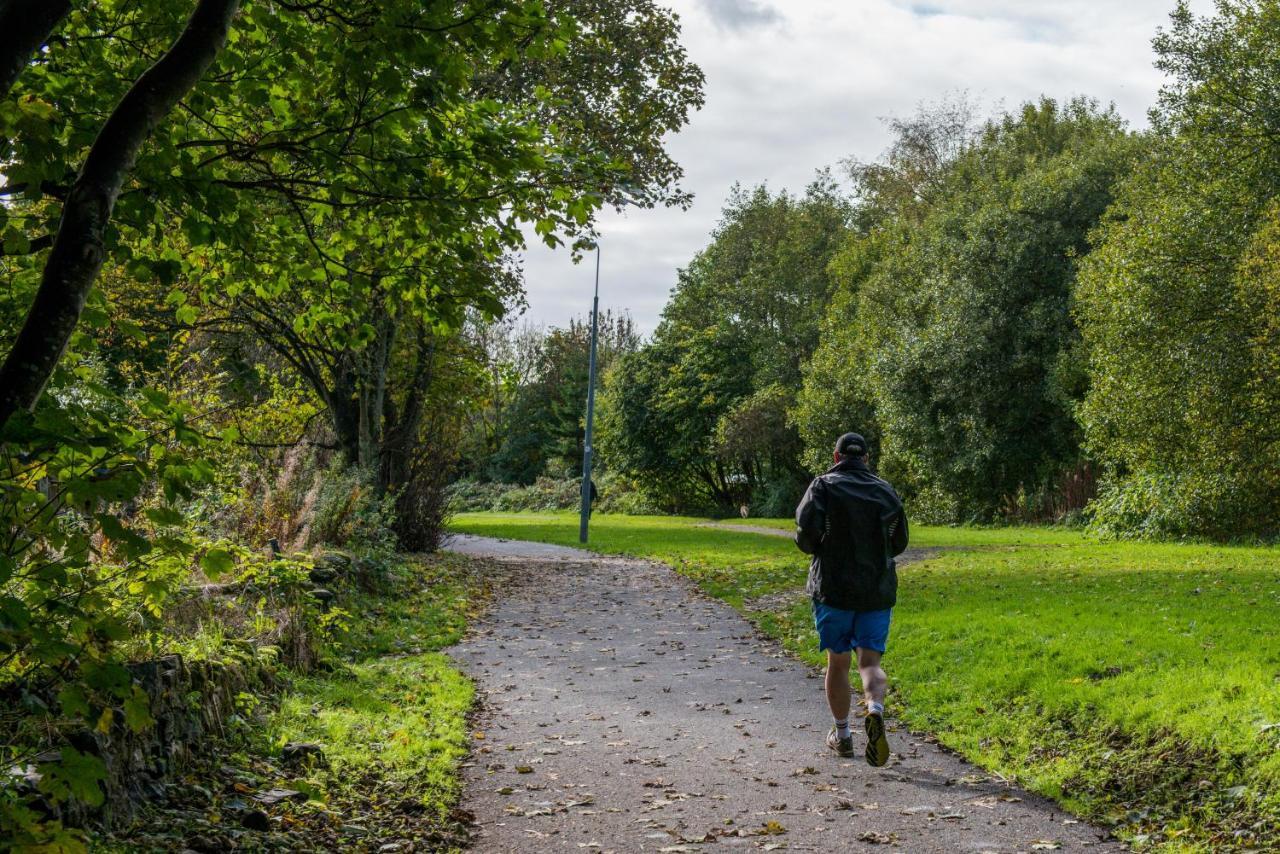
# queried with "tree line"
point(1040, 316)
point(249, 252)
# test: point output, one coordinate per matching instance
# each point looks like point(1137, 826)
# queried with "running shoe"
point(877, 743)
point(842, 746)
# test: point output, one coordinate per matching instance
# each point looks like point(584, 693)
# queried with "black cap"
point(851, 445)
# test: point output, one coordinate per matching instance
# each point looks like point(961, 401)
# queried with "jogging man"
point(853, 524)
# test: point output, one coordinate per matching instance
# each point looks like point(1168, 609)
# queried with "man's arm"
point(898, 533)
point(811, 518)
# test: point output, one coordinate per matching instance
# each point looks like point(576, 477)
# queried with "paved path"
point(624, 711)
point(750, 529)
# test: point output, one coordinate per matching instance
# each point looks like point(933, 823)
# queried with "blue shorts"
point(843, 631)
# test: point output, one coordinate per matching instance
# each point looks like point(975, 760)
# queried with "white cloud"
point(806, 85)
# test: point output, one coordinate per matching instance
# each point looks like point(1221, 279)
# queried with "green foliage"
point(836, 395)
point(395, 707)
point(660, 410)
point(959, 359)
point(533, 423)
point(95, 546)
point(288, 267)
point(615, 494)
point(699, 417)
point(1178, 302)
point(765, 276)
point(349, 513)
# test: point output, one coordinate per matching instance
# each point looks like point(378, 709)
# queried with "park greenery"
point(259, 318)
point(1040, 316)
point(933, 308)
point(251, 252)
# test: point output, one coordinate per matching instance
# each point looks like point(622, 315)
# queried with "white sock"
point(843, 730)
point(875, 708)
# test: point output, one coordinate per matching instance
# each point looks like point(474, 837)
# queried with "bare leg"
point(838, 683)
point(874, 681)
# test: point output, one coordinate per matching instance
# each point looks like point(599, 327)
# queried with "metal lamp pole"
point(591, 411)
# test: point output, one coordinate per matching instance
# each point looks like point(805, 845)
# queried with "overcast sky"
point(796, 85)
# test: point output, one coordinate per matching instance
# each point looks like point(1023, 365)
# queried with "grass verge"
point(1139, 684)
point(362, 754)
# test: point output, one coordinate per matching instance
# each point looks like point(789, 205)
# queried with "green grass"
point(392, 715)
point(386, 706)
point(1136, 683)
point(951, 536)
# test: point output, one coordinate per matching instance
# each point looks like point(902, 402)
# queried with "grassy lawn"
point(391, 717)
point(1137, 683)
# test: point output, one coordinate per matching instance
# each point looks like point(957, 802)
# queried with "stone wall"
point(191, 703)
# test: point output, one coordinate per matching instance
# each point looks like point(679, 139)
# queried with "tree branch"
point(78, 248)
point(25, 25)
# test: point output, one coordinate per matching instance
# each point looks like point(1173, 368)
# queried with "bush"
point(1179, 299)
point(422, 501)
point(474, 496)
point(776, 500)
point(349, 514)
point(1184, 505)
point(615, 494)
point(623, 496)
point(543, 494)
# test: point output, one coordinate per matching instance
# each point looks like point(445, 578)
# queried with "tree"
point(758, 291)
point(660, 410)
point(294, 204)
point(912, 173)
point(79, 243)
point(893, 195)
point(961, 344)
point(623, 83)
point(1178, 299)
point(765, 272)
point(25, 26)
point(539, 423)
point(333, 199)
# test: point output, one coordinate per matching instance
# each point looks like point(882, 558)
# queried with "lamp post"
point(591, 410)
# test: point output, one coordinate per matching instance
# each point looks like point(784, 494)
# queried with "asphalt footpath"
point(622, 710)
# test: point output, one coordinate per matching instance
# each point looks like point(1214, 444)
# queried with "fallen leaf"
point(875, 838)
point(772, 828)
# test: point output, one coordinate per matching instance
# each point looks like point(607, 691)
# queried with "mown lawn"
point(1137, 683)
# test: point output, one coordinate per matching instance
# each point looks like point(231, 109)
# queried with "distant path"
point(625, 711)
point(750, 529)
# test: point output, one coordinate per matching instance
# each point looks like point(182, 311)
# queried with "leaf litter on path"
point(585, 630)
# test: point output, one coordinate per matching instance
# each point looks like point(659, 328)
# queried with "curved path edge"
point(623, 710)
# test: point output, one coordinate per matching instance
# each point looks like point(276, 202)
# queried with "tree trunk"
point(401, 429)
point(78, 247)
point(25, 25)
point(376, 359)
point(344, 410)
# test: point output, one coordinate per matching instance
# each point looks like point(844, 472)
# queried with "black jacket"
point(853, 524)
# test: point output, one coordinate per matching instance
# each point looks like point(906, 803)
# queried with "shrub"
point(1184, 505)
point(615, 494)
